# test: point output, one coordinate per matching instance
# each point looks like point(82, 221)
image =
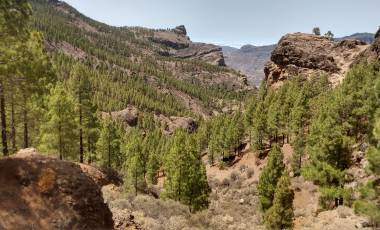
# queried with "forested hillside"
point(166, 128)
point(142, 71)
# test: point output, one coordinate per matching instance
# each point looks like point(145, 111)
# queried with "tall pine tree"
point(269, 177)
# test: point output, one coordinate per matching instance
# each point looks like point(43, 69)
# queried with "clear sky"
point(238, 22)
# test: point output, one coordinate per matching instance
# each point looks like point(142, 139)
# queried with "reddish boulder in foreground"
point(40, 192)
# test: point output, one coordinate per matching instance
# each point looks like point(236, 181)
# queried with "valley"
point(106, 127)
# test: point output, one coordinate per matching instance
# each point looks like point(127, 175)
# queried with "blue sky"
point(238, 22)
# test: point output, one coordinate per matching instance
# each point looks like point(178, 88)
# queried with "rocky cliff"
point(307, 55)
point(179, 45)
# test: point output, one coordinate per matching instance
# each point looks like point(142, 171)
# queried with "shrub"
point(242, 168)
point(226, 182)
point(250, 173)
point(234, 176)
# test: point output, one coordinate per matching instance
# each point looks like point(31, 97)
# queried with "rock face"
point(127, 116)
point(377, 35)
point(180, 30)
point(203, 52)
point(172, 38)
point(170, 124)
point(39, 192)
point(306, 55)
point(179, 45)
point(372, 53)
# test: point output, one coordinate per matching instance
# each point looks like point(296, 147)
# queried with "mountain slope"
point(144, 67)
point(249, 59)
point(365, 37)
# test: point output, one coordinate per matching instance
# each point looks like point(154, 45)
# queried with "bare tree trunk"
point(80, 130)
point(3, 121)
point(13, 125)
point(89, 149)
point(109, 149)
point(60, 141)
point(26, 129)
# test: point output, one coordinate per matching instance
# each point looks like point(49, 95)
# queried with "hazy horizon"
point(240, 22)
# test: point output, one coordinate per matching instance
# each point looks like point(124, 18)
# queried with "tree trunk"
point(26, 131)
point(109, 149)
point(89, 148)
point(135, 180)
point(3, 121)
point(13, 125)
point(60, 141)
point(80, 132)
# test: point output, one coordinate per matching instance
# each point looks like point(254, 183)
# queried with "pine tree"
point(280, 215)
point(108, 144)
point(154, 145)
point(59, 132)
point(134, 162)
point(14, 17)
point(327, 147)
point(186, 179)
point(88, 123)
point(269, 177)
point(367, 204)
point(299, 148)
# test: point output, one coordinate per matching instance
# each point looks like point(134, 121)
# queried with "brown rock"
point(127, 116)
point(203, 52)
point(372, 53)
point(307, 55)
point(181, 30)
point(170, 124)
point(377, 35)
point(181, 46)
point(48, 193)
point(174, 39)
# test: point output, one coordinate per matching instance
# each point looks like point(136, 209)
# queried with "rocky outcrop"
point(179, 45)
point(377, 35)
point(40, 192)
point(203, 52)
point(306, 55)
point(127, 116)
point(180, 30)
point(170, 124)
point(372, 53)
point(174, 39)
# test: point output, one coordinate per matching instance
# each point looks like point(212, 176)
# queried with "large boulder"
point(127, 116)
point(307, 55)
point(40, 192)
point(170, 124)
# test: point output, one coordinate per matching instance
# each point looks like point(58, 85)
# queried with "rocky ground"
point(233, 203)
point(47, 193)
